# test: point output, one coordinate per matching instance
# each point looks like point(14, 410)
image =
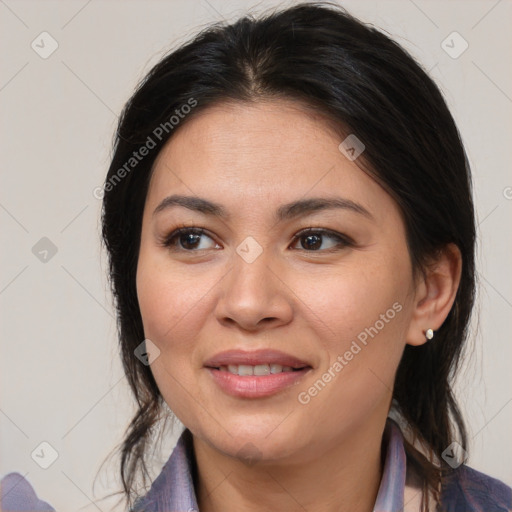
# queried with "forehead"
point(262, 135)
point(270, 152)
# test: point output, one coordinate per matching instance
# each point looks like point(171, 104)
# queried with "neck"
point(341, 478)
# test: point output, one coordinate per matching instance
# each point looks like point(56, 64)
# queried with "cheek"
point(170, 303)
point(366, 311)
point(162, 294)
point(357, 299)
point(171, 306)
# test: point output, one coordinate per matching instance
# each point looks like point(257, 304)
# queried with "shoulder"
point(16, 494)
point(468, 490)
point(173, 489)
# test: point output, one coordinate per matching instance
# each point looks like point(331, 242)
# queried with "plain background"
point(61, 381)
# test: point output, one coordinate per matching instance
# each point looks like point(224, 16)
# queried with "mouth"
point(245, 370)
point(255, 374)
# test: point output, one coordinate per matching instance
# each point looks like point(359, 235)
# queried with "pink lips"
point(254, 358)
point(255, 386)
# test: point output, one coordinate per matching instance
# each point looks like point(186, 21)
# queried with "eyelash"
point(343, 240)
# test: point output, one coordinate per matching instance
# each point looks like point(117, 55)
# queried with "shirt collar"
point(390, 497)
point(173, 490)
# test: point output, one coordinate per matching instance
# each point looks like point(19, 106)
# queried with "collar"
point(173, 490)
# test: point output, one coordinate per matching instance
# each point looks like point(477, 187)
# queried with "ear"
point(435, 293)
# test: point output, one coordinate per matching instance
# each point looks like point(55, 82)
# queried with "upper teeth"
point(259, 369)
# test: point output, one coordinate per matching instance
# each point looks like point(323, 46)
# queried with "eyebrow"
point(285, 212)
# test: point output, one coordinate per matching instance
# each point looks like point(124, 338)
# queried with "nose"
point(254, 296)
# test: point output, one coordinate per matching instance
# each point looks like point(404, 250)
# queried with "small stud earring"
point(429, 334)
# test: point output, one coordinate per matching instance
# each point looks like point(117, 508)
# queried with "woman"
point(290, 227)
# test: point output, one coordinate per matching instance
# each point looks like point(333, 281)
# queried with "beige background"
point(61, 381)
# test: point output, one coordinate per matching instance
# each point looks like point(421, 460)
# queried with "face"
point(280, 308)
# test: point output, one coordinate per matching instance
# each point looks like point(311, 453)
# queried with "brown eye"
point(187, 239)
point(313, 239)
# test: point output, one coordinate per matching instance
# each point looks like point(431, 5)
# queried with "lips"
point(255, 374)
point(255, 358)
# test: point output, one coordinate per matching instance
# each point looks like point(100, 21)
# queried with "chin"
point(254, 442)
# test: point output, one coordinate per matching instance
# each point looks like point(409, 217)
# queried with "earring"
point(429, 334)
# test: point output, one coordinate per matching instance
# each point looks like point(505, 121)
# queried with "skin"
point(312, 303)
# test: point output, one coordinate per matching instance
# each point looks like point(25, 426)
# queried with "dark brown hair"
point(361, 79)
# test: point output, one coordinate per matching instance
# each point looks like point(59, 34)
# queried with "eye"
point(187, 239)
point(312, 239)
